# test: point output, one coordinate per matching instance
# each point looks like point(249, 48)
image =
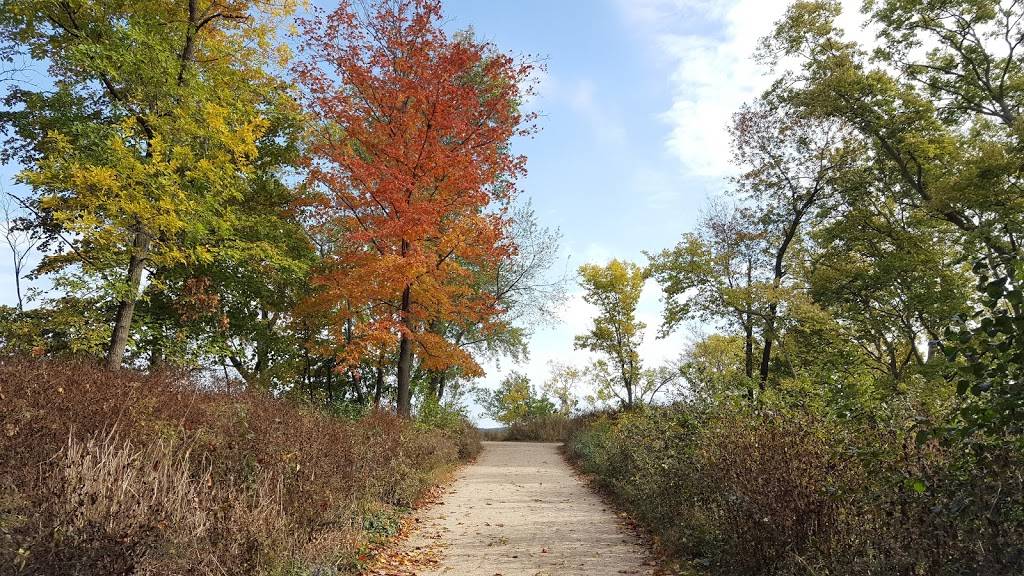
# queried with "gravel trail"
point(520, 510)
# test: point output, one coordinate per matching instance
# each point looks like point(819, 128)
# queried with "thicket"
point(131, 473)
point(541, 428)
point(777, 488)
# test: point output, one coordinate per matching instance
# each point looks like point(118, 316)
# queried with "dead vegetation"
point(127, 473)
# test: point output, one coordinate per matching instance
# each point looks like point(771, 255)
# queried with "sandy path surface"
point(521, 511)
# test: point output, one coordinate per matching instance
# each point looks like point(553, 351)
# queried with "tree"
point(515, 401)
point(19, 241)
point(148, 135)
point(562, 384)
point(711, 275)
point(616, 334)
point(411, 162)
point(794, 165)
point(942, 130)
point(738, 266)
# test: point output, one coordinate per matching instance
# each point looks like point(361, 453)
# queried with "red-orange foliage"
point(411, 172)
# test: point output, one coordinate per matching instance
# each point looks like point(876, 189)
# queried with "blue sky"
point(635, 99)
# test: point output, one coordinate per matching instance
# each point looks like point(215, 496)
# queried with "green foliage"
point(434, 414)
point(989, 343)
point(515, 401)
point(785, 488)
point(944, 156)
point(67, 327)
point(159, 148)
point(714, 368)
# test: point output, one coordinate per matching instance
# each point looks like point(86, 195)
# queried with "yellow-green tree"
point(515, 401)
point(148, 137)
point(616, 334)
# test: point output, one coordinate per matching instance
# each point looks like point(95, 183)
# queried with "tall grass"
point(127, 473)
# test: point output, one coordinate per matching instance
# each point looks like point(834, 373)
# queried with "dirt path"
point(521, 511)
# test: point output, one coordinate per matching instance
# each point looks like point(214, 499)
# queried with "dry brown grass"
point(128, 473)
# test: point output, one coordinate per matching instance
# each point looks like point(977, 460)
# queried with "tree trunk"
point(357, 385)
point(329, 385)
point(126, 309)
point(405, 357)
point(17, 285)
point(437, 383)
point(157, 360)
point(765, 357)
point(769, 338)
point(748, 351)
point(441, 385)
point(378, 388)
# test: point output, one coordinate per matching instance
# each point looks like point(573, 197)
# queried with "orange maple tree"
point(412, 172)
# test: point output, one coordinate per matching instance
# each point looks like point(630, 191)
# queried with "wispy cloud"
point(709, 47)
point(606, 126)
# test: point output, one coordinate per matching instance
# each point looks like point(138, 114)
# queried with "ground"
point(520, 510)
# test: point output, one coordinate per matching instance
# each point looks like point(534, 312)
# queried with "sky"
point(635, 98)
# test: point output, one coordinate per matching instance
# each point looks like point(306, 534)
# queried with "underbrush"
point(125, 473)
point(493, 434)
point(542, 428)
point(739, 490)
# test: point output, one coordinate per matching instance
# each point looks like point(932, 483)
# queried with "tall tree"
point(616, 333)
point(938, 105)
point(412, 161)
point(711, 275)
point(793, 166)
point(18, 240)
point(149, 131)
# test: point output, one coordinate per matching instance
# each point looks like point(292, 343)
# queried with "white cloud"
point(712, 76)
point(656, 12)
point(713, 70)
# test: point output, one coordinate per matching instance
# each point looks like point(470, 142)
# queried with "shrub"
point(540, 428)
point(104, 473)
point(780, 491)
point(645, 458)
point(493, 434)
point(454, 422)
